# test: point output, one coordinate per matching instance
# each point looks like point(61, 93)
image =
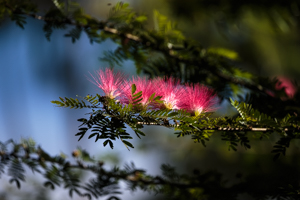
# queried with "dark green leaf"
point(128, 143)
point(133, 89)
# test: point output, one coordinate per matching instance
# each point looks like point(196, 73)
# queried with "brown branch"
point(254, 129)
point(134, 176)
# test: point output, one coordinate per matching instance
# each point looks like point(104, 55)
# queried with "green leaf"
point(127, 143)
point(81, 135)
point(224, 52)
point(141, 18)
point(137, 101)
point(17, 182)
point(105, 142)
point(172, 114)
point(92, 135)
point(166, 27)
point(126, 137)
point(58, 103)
point(49, 184)
point(157, 98)
point(138, 133)
point(111, 144)
point(133, 88)
point(138, 95)
point(151, 97)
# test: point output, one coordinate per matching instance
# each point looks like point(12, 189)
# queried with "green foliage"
point(224, 52)
point(280, 147)
point(167, 28)
point(16, 9)
point(74, 33)
point(136, 98)
point(16, 171)
point(109, 119)
point(56, 20)
point(249, 114)
point(233, 130)
point(288, 127)
point(159, 52)
point(56, 170)
point(106, 182)
point(233, 139)
point(75, 103)
point(121, 16)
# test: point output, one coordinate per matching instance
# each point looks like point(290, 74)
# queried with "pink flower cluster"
point(192, 98)
point(289, 88)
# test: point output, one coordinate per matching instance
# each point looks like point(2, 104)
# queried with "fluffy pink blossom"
point(109, 81)
point(288, 86)
point(198, 99)
point(195, 99)
point(171, 93)
point(142, 84)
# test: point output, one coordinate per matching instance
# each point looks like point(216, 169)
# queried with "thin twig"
point(254, 129)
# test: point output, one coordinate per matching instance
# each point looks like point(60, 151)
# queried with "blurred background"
point(35, 71)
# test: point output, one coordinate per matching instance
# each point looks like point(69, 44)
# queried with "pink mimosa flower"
point(109, 81)
point(171, 93)
point(288, 86)
point(199, 99)
point(142, 84)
